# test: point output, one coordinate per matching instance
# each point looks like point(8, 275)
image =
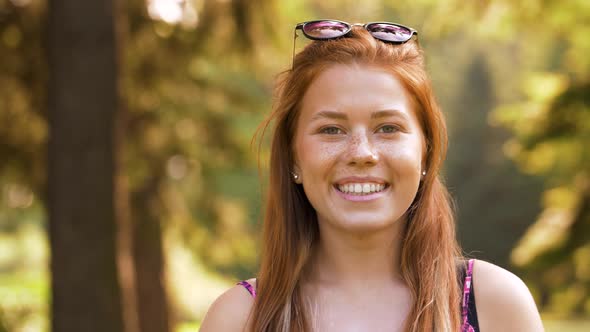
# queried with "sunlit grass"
point(188, 327)
point(23, 301)
point(191, 285)
point(566, 325)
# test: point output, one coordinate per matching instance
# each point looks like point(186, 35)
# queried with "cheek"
point(407, 157)
point(316, 157)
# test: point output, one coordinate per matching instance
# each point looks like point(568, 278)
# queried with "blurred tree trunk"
point(495, 202)
point(82, 106)
point(125, 255)
point(152, 303)
point(146, 214)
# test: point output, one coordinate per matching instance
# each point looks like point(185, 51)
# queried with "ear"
point(424, 163)
point(423, 170)
point(296, 174)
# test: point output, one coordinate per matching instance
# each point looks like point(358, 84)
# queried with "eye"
point(388, 129)
point(331, 130)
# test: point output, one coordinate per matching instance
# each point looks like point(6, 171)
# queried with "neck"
point(348, 258)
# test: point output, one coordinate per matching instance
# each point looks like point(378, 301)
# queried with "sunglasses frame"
point(301, 26)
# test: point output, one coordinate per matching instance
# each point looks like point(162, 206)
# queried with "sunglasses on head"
point(332, 29)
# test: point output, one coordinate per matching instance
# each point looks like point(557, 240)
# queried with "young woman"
point(358, 232)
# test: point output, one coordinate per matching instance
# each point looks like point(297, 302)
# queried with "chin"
point(368, 224)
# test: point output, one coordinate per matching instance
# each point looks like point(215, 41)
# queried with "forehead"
point(355, 88)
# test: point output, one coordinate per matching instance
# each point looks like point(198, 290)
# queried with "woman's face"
point(359, 148)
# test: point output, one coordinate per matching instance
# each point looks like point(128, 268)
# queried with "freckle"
point(327, 151)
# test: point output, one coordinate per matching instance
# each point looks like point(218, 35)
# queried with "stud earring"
point(423, 173)
point(295, 176)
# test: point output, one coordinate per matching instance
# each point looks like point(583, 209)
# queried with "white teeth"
point(361, 188)
point(366, 188)
point(358, 188)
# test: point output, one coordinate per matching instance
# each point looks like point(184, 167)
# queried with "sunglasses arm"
point(299, 26)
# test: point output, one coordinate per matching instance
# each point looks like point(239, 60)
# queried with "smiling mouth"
point(360, 189)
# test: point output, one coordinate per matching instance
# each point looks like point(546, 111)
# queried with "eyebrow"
point(342, 116)
point(329, 115)
point(387, 113)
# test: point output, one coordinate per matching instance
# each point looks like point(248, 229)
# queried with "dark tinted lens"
point(389, 32)
point(325, 29)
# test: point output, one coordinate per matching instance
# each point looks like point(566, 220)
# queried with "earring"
point(295, 176)
point(423, 173)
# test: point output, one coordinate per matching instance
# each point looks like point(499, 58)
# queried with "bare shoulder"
point(230, 311)
point(504, 302)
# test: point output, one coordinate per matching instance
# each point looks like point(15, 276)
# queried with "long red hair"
point(429, 253)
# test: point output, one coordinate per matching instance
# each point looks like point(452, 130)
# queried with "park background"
point(126, 152)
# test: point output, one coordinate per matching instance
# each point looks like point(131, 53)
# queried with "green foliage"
point(551, 134)
point(195, 96)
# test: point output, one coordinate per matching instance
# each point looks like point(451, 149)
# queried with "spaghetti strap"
point(248, 287)
point(466, 327)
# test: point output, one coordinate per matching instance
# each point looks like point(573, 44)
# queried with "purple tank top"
point(248, 287)
point(469, 321)
point(468, 314)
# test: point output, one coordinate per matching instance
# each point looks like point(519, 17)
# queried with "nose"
point(361, 151)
